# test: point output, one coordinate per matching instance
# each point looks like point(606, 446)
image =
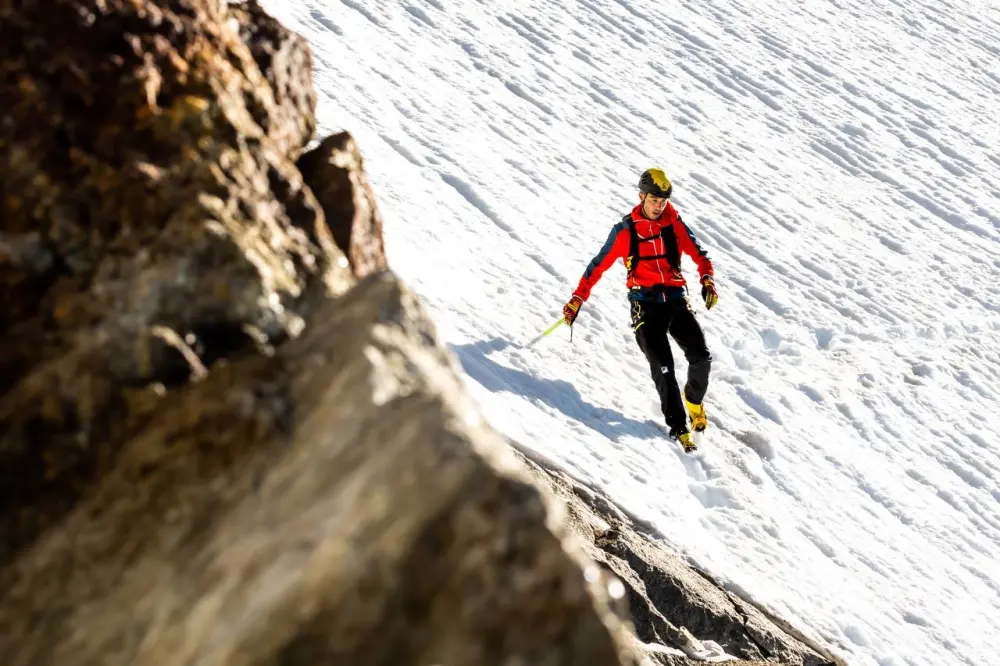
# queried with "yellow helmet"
point(655, 182)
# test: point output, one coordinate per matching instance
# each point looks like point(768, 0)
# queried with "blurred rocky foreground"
point(228, 434)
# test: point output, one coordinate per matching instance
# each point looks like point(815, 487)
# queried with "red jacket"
point(664, 239)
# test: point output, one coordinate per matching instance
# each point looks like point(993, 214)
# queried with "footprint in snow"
point(759, 404)
point(758, 442)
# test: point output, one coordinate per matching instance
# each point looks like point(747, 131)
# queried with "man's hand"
point(572, 309)
point(708, 292)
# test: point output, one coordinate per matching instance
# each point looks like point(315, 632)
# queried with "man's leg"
point(650, 323)
point(686, 330)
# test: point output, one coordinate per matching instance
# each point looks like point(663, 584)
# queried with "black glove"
point(572, 309)
point(708, 292)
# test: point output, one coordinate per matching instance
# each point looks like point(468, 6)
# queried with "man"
point(650, 240)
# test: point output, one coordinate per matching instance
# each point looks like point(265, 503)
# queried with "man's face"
point(652, 206)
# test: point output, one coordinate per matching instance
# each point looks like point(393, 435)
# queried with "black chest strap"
point(671, 252)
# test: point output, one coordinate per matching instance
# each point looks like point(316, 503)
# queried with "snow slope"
point(838, 159)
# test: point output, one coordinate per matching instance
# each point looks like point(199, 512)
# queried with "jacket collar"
point(665, 218)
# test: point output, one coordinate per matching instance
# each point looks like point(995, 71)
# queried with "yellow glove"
point(572, 309)
point(708, 292)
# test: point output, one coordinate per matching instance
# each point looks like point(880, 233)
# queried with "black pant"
point(651, 321)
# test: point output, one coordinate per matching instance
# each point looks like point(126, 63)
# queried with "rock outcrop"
point(336, 503)
point(677, 611)
point(223, 438)
point(332, 171)
point(151, 209)
point(228, 434)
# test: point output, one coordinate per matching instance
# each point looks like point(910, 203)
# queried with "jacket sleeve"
point(614, 248)
point(689, 244)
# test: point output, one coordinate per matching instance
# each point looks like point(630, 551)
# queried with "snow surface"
point(838, 159)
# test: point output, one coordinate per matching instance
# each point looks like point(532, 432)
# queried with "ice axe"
point(559, 322)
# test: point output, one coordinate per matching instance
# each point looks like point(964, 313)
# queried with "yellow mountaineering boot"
point(699, 421)
point(687, 441)
point(684, 438)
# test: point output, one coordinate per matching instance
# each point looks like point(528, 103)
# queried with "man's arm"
point(689, 244)
point(614, 248)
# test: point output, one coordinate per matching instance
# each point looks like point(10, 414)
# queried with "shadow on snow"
point(556, 393)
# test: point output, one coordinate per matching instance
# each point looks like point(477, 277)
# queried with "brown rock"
point(338, 504)
point(147, 186)
point(334, 170)
point(205, 454)
point(286, 61)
